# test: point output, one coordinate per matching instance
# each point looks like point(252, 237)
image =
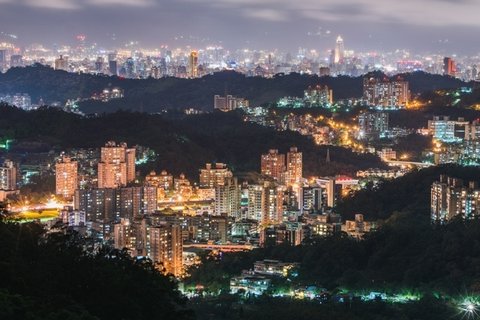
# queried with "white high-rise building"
point(8, 176)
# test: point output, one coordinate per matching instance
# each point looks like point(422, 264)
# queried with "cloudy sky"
point(445, 26)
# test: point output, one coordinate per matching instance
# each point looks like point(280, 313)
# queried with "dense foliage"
point(53, 276)
point(417, 119)
point(407, 253)
point(226, 308)
point(183, 144)
point(410, 194)
point(151, 95)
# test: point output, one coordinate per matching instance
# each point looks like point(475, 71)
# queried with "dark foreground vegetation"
point(227, 308)
point(406, 254)
point(58, 276)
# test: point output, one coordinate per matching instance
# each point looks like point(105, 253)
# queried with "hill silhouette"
point(182, 144)
point(154, 95)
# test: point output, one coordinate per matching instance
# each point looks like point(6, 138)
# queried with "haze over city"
point(442, 26)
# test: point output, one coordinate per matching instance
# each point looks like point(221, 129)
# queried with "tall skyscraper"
point(273, 165)
point(294, 167)
point(166, 248)
point(8, 176)
point(193, 64)
point(66, 177)
point(339, 51)
point(449, 67)
point(117, 165)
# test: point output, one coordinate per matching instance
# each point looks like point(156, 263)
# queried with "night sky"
point(443, 26)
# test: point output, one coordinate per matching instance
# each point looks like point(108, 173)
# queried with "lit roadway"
point(408, 163)
point(221, 247)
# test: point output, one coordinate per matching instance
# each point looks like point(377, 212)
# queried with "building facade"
point(66, 177)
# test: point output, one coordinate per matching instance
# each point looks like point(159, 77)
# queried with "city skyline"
point(243, 23)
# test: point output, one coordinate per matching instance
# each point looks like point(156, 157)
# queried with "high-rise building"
point(318, 96)
point(383, 92)
point(213, 176)
point(447, 130)
point(164, 180)
point(286, 233)
point(228, 103)
point(273, 165)
point(273, 203)
point(227, 199)
point(135, 202)
point(66, 177)
point(339, 54)
point(8, 176)
point(61, 63)
point(450, 198)
point(117, 165)
point(193, 64)
point(311, 199)
point(98, 204)
point(73, 218)
point(372, 125)
point(474, 72)
point(328, 193)
point(166, 248)
point(99, 64)
point(124, 235)
point(294, 167)
point(449, 67)
point(114, 204)
point(255, 202)
point(265, 202)
point(112, 64)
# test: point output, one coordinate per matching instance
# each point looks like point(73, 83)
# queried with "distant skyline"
point(443, 26)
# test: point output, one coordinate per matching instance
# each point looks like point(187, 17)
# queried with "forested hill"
point(182, 145)
point(409, 194)
point(152, 95)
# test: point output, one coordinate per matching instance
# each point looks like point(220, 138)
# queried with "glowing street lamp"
point(469, 309)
